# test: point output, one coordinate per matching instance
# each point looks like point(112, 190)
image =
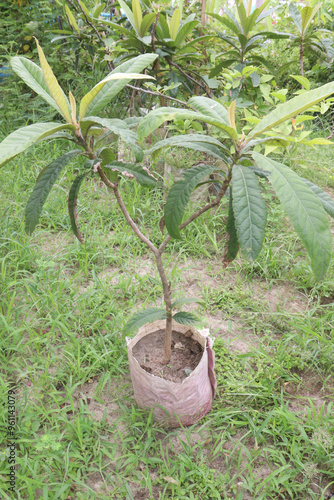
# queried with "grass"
point(62, 309)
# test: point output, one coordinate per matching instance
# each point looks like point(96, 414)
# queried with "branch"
point(133, 225)
point(209, 93)
point(201, 211)
point(160, 95)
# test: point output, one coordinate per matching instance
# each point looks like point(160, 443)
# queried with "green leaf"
point(249, 208)
point(305, 82)
point(184, 32)
point(296, 16)
point(307, 14)
point(120, 128)
point(158, 116)
point(128, 13)
point(325, 199)
point(90, 96)
point(174, 24)
point(32, 75)
point(305, 211)
point(233, 243)
point(129, 170)
point(186, 318)
point(53, 85)
point(72, 204)
point(135, 65)
point(143, 317)
point(210, 107)
point(179, 196)
point(137, 15)
point(197, 142)
point(24, 137)
point(185, 300)
point(229, 23)
point(43, 186)
point(146, 23)
point(292, 108)
point(71, 19)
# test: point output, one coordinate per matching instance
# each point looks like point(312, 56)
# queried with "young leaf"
point(305, 82)
point(174, 24)
point(179, 196)
point(184, 32)
point(73, 108)
point(43, 186)
point(143, 317)
point(307, 14)
point(296, 16)
point(186, 318)
point(249, 209)
point(146, 23)
point(137, 15)
point(292, 108)
point(231, 114)
point(53, 85)
point(305, 211)
point(32, 75)
point(111, 88)
point(129, 170)
point(233, 243)
point(21, 139)
point(72, 205)
point(88, 98)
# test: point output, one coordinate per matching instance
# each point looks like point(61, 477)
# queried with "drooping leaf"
point(179, 196)
point(130, 170)
point(210, 107)
point(326, 200)
point(305, 211)
point(120, 128)
point(21, 139)
point(233, 243)
point(42, 188)
point(158, 116)
point(249, 211)
point(292, 108)
point(72, 205)
point(143, 317)
point(185, 300)
point(53, 85)
point(186, 318)
point(197, 142)
point(111, 88)
point(32, 75)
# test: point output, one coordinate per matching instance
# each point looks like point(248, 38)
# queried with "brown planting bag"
point(175, 403)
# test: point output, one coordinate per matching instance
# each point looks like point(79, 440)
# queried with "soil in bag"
point(186, 354)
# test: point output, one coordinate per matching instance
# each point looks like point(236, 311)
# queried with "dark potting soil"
point(186, 354)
